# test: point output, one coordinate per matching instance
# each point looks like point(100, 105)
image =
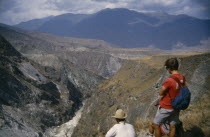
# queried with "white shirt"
point(121, 130)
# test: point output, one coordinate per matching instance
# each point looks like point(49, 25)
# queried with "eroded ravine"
point(66, 129)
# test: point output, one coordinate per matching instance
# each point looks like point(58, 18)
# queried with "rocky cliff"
point(94, 55)
point(34, 98)
point(135, 88)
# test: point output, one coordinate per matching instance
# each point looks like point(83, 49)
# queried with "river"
point(66, 129)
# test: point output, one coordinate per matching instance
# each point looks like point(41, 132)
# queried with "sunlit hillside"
point(135, 88)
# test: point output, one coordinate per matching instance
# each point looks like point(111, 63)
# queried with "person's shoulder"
point(169, 79)
point(130, 125)
point(179, 76)
point(115, 125)
point(167, 82)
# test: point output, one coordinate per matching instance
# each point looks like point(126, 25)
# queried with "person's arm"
point(163, 91)
point(112, 132)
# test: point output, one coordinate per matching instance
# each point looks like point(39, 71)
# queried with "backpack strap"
point(179, 83)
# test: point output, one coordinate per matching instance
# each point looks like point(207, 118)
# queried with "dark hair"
point(119, 120)
point(172, 64)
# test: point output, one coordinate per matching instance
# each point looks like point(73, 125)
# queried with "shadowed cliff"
point(34, 98)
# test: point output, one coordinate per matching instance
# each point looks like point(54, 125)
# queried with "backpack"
point(182, 101)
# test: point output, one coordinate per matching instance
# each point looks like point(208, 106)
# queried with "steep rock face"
point(67, 71)
point(100, 63)
point(7, 50)
point(86, 53)
point(135, 89)
point(22, 91)
point(34, 98)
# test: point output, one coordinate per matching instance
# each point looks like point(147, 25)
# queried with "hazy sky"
point(16, 11)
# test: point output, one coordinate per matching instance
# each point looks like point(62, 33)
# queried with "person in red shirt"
point(169, 90)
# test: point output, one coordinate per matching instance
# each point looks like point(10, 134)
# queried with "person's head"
point(120, 115)
point(172, 64)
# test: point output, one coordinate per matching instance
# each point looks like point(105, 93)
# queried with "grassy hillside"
point(135, 88)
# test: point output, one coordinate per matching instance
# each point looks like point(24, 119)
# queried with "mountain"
point(94, 55)
point(131, 29)
point(45, 78)
point(6, 49)
point(33, 24)
point(34, 98)
point(65, 21)
point(134, 88)
point(23, 90)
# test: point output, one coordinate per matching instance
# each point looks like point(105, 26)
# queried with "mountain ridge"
point(132, 29)
point(102, 55)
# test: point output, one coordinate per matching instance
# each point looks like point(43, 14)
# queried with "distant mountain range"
point(126, 28)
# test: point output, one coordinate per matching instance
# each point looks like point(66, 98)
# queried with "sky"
point(16, 11)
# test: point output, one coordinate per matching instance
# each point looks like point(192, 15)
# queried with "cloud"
point(197, 8)
point(15, 11)
point(22, 10)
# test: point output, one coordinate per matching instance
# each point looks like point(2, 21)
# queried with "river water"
point(66, 129)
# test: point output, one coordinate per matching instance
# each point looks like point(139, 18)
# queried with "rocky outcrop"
point(100, 63)
point(34, 98)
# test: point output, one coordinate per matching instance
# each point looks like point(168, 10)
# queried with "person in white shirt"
point(121, 129)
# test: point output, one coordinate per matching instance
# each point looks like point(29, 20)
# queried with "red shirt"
point(173, 90)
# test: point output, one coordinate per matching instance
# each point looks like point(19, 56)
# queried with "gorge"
point(62, 86)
